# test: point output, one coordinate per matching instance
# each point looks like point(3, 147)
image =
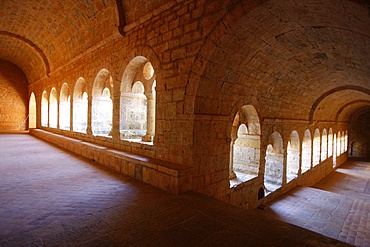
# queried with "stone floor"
point(338, 206)
point(49, 197)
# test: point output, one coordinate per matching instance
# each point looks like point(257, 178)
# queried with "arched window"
point(53, 109)
point(346, 141)
point(330, 142)
point(102, 107)
point(306, 151)
point(316, 148)
point(324, 145)
point(293, 156)
point(339, 142)
point(64, 107)
point(44, 109)
point(137, 101)
point(274, 162)
point(343, 141)
point(32, 112)
point(245, 146)
point(80, 106)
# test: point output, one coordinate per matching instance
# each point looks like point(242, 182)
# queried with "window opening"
point(245, 146)
point(44, 109)
point(330, 143)
point(102, 107)
point(293, 156)
point(274, 162)
point(316, 148)
point(306, 151)
point(53, 110)
point(64, 108)
point(32, 112)
point(339, 142)
point(324, 145)
point(80, 106)
point(137, 101)
point(134, 110)
point(343, 143)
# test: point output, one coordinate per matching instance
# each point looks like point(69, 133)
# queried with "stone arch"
point(37, 50)
point(245, 145)
point(306, 151)
point(316, 104)
point(121, 17)
point(199, 67)
point(274, 163)
point(102, 106)
point(293, 156)
point(53, 108)
point(32, 112)
point(324, 145)
point(137, 100)
point(44, 109)
point(316, 149)
point(64, 107)
point(80, 106)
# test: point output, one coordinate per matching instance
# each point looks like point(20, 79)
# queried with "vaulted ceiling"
point(40, 36)
point(307, 60)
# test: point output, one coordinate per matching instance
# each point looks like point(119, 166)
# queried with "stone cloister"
point(239, 100)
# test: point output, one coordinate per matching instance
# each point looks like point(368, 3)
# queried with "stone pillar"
point(285, 164)
point(89, 116)
point(71, 110)
point(58, 114)
point(115, 131)
point(150, 121)
point(232, 174)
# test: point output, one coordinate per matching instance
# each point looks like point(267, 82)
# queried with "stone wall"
point(360, 136)
point(13, 98)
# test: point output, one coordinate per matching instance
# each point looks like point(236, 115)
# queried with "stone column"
point(150, 121)
point(232, 174)
point(115, 131)
point(89, 116)
point(71, 110)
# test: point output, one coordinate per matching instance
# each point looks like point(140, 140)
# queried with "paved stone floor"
point(49, 197)
point(338, 206)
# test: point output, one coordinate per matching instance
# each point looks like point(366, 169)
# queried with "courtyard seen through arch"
point(274, 163)
point(64, 107)
point(32, 111)
point(44, 109)
point(137, 101)
point(102, 106)
point(80, 106)
point(245, 146)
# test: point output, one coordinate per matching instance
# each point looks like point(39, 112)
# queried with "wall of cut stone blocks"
point(13, 98)
point(360, 137)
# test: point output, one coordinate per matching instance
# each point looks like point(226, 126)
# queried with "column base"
point(148, 138)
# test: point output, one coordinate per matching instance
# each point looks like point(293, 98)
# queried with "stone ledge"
point(171, 177)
